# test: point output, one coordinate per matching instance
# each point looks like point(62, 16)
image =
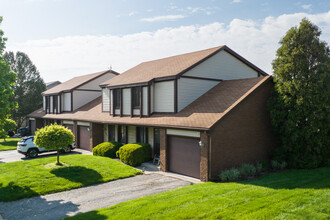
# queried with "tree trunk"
point(19, 122)
point(58, 158)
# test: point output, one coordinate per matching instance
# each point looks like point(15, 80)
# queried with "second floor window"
point(47, 104)
point(136, 92)
point(116, 98)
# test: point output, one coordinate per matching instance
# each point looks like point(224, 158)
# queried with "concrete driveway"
point(60, 205)
point(13, 155)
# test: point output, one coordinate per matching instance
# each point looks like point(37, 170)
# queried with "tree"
point(300, 104)
point(54, 137)
point(28, 87)
point(8, 125)
point(7, 81)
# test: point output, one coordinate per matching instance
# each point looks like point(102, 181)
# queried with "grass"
point(25, 179)
point(292, 194)
point(9, 144)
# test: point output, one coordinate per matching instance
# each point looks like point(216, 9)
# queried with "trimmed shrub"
point(247, 170)
point(134, 154)
point(265, 165)
point(259, 168)
point(229, 175)
point(107, 149)
point(278, 165)
point(147, 150)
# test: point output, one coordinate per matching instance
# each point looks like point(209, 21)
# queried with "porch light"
point(201, 144)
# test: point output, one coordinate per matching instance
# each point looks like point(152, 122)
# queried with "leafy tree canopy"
point(28, 87)
point(300, 104)
point(8, 125)
point(54, 137)
point(7, 81)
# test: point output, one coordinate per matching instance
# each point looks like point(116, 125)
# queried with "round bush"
point(247, 170)
point(107, 149)
point(134, 154)
point(229, 175)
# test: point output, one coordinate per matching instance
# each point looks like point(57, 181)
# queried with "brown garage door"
point(184, 155)
point(83, 136)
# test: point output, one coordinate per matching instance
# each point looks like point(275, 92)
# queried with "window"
point(111, 133)
point(55, 104)
point(116, 98)
point(136, 93)
point(47, 104)
point(122, 134)
point(141, 135)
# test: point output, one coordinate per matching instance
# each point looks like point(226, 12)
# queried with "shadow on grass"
point(10, 143)
point(78, 174)
point(89, 215)
point(31, 208)
point(51, 154)
point(13, 192)
point(291, 179)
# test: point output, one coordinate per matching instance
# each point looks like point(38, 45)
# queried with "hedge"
point(107, 149)
point(134, 154)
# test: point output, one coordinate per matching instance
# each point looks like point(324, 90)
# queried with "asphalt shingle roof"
point(202, 114)
point(168, 68)
point(75, 82)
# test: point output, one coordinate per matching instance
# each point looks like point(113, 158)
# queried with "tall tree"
point(300, 106)
point(7, 81)
point(28, 87)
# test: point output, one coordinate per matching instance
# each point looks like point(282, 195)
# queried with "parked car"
point(24, 131)
point(11, 133)
point(27, 147)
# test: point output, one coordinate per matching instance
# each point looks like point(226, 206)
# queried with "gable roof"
point(202, 114)
point(52, 84)
point(169, 68)
point(76, 82)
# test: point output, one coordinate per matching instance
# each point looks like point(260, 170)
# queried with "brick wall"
point(204, 163)
point(163, 148)
point(75, 131)
point(244, 135)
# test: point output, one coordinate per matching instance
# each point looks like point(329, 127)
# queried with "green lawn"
point(293, 194)
point(40, 176)
point(9, 144)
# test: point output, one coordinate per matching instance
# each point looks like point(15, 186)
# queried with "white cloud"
point(193, 10)
point(306, 7)
point(163, 18)
point(257, 41)
point(236, 1)
point(132, 13)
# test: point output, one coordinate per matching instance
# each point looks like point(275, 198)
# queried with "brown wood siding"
point(184, 155)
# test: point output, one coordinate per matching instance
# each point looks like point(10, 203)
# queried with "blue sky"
point(65, 38)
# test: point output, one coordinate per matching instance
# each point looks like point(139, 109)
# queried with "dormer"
point(74, 93)
point(168, 85)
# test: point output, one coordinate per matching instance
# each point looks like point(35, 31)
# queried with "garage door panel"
point(84, 135)
point(184, 155)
